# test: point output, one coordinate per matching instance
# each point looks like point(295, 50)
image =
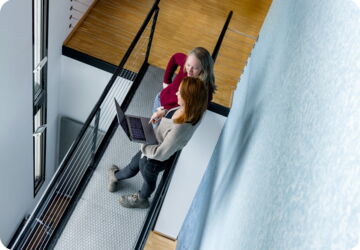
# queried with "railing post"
point(221, 37)
point(95, 132)
point(151, 34)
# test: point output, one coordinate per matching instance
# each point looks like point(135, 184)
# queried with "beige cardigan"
point(172, 137)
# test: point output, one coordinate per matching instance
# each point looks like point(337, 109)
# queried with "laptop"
point(136, 128)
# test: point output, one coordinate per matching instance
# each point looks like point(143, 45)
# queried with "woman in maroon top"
point(198, 63)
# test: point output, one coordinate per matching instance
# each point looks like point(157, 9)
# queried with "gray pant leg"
point(131, 169)
point(150, 170)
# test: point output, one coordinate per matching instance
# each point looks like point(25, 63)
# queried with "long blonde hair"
point(207, 67)
point(195, 95)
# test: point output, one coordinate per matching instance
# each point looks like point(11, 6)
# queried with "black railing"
point(215, 107)
point(221, 37)
point(41, 230)
point(59, 197)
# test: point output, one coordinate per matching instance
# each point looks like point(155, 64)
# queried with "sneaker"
point(113, 181)
point(134, 201)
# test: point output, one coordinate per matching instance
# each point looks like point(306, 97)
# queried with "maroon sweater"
point(168, 98)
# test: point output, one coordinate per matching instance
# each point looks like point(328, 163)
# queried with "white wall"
point(16, 142)
point(16, 179)
point(58, 31)
point(80, 88)
point(285, 173)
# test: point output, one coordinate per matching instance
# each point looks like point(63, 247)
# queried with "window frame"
point(39, 79)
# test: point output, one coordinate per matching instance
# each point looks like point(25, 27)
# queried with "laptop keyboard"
point(136, 128)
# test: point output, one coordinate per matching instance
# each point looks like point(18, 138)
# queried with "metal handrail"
point(160, 194)
point(221, 37)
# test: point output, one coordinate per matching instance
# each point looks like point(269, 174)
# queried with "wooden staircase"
point(110, 25)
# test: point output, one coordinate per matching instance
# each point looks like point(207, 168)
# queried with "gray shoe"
point(113, 181)
point(133, 201)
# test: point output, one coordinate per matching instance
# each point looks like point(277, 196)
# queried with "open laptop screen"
point(137, 128)
point(121, 119)
point(124, 125)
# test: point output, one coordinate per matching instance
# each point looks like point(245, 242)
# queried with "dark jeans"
point(149, 169)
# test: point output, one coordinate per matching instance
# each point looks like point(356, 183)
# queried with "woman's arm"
point(175, 61)
point(156, 116)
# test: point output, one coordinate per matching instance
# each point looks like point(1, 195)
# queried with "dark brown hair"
point(195, 95)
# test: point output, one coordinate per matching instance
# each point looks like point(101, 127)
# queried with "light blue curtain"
point(285, 173)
